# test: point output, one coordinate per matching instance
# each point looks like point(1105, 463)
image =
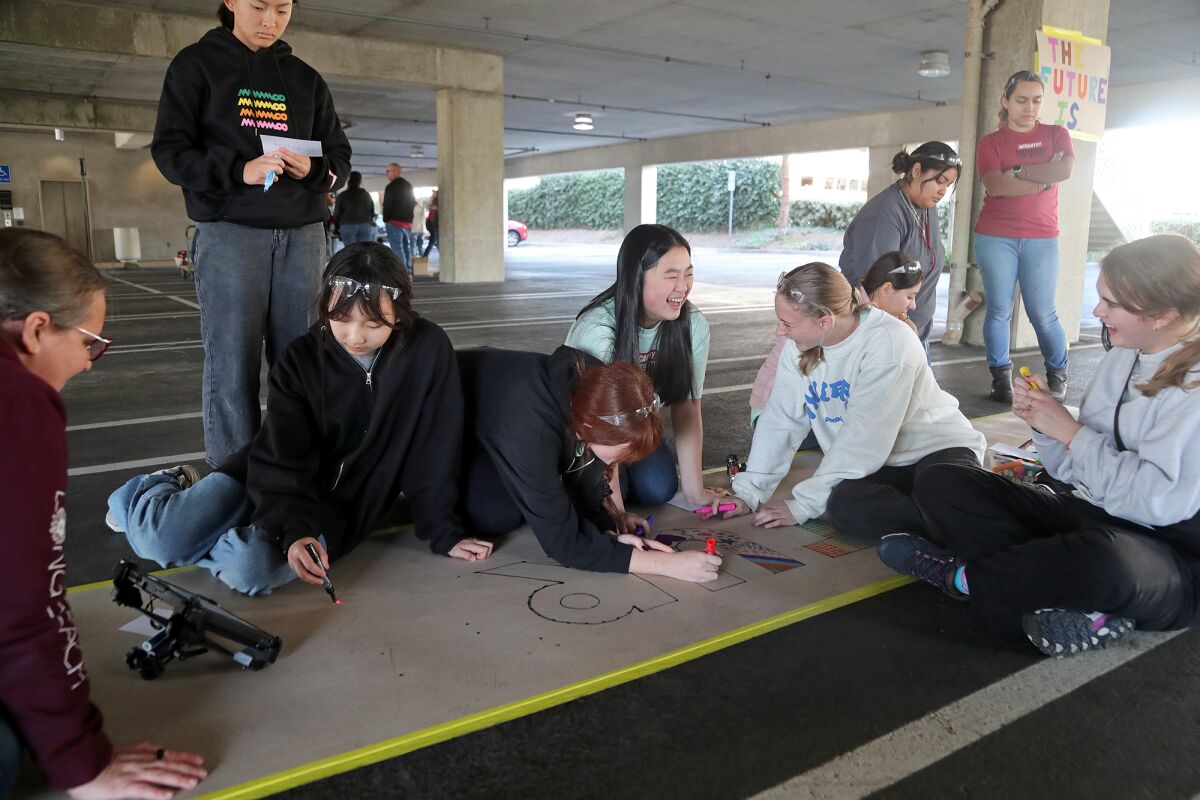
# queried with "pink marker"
point(707, 510)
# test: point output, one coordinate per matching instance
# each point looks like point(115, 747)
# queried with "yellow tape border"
point(390, 748)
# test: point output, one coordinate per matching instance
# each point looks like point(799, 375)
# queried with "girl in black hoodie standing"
point(259, 242)
point(365, 405)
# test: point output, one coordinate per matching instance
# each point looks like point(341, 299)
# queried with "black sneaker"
point(1056, 380)
point(1061, 633)
point(1001, 384)
point(922, 559)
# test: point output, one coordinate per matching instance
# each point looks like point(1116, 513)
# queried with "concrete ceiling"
point(642, 68)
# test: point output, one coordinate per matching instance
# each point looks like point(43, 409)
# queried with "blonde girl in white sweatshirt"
point(859, 379)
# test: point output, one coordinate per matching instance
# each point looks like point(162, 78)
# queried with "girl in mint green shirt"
point(645, 317)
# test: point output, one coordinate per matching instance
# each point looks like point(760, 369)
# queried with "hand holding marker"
point(1028, 376)
point(707, 510)
point(326, 584)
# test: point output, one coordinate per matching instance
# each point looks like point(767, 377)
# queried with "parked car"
point(517, 232)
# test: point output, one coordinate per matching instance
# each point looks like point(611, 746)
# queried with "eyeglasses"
point(349, 287)
point(912, 265)
point(97, 347)
point(637, 414)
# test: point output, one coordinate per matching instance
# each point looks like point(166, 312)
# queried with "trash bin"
point(128, 246)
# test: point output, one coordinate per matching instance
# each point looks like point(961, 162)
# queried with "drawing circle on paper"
point(578, 601)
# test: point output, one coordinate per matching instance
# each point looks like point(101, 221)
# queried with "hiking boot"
point(1001, 384)
point(1056, 383)
point(185, 475)
point(1061, 633)
point(922, 559)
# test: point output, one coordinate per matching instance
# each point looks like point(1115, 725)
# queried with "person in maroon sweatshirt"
point(51, 312)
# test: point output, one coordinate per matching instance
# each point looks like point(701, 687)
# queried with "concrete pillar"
point(641, 195)
point(470, 140)
point(1009, 37)
point(880, 175)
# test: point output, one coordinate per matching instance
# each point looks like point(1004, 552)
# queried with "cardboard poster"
point(1075, 69)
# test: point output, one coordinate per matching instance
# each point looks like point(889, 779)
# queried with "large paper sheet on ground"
point(423, 640)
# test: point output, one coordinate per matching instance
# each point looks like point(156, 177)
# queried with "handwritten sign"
point(1075, 69)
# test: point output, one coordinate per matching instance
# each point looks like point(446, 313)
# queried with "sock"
point(960, 579)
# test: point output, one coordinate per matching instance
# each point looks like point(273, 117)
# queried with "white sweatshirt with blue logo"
point(872, 402)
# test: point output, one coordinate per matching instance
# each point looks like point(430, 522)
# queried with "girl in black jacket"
point(366, 405)
point(543, 436)
point(259, 209)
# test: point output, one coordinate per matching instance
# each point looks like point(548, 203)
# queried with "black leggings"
point(1028, 549)
point(882, 503)
point(484, 504)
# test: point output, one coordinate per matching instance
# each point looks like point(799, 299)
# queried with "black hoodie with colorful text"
point(218, 97)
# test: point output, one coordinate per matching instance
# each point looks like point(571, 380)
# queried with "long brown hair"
point(817, 290)
point(41, 272)
point(1152, 276)
point(616, 388)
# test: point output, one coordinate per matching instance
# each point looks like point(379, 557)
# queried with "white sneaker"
point(110, 520)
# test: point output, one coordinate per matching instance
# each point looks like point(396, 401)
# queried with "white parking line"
point(174, 297)
point(161, 461)
point(910, 749)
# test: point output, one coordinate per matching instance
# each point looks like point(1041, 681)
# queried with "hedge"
point(691, 197)
point(1188, 226)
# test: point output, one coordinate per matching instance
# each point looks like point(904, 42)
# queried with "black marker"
point(326, 584)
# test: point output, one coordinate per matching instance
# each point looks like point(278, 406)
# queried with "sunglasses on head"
point(796, 295)
point(1021, 77)
point(349, 287)
point(912, 265)
point(98, 345)
point(637, 414)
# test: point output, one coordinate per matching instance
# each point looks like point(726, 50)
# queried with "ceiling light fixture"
point(583, 122)
point(59, 135)
point(934, 64)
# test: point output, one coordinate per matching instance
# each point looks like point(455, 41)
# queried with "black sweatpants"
point(1027, 549)
point(882, 503)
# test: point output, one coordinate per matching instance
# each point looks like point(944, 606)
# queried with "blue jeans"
point(251, 283)
point(400, 240)
point(10, 755)
point(363, 232)
point(207, 525)
point(651, 481)
point(1033, 263)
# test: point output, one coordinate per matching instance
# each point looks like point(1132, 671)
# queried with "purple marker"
point(640, 531)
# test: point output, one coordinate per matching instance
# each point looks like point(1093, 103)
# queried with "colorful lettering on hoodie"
point(265, 110)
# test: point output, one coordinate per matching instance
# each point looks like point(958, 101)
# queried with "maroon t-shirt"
point(43, 680)
point(1031, 216)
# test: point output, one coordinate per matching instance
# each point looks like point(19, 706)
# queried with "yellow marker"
point(1025, 373)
